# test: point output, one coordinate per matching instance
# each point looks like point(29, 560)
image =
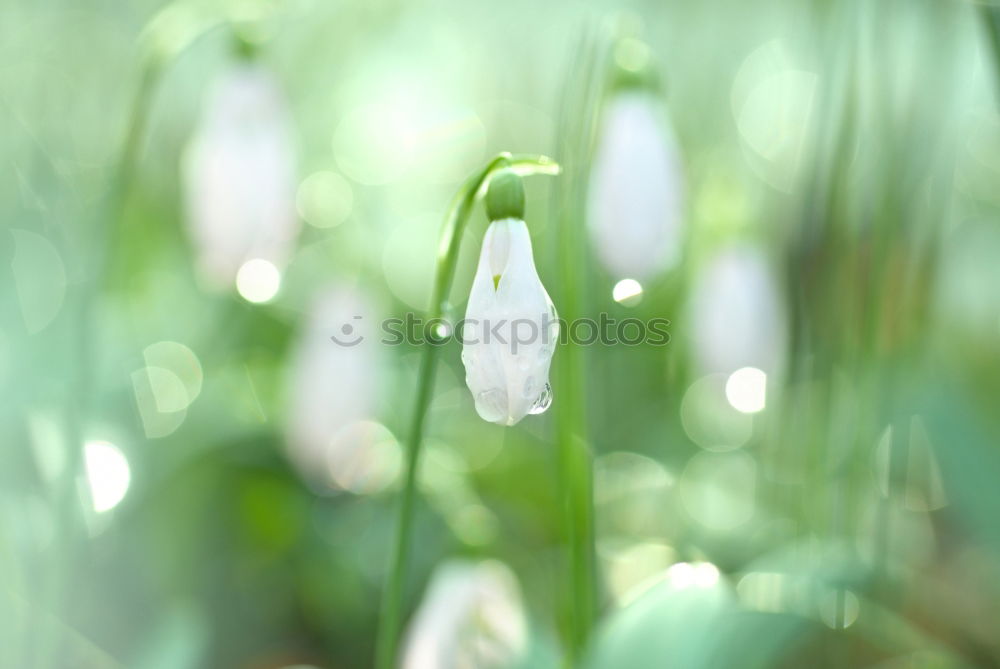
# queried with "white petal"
point(636, 189)
point(508, 338)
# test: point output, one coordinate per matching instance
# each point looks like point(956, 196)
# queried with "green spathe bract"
point(505, 197)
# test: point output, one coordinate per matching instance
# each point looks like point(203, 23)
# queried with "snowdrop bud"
point(510, 324)
point(635, 203)
point(239, 176)
point(736, 314)
point(471, 616)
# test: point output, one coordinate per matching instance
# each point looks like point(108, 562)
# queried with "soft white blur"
point(636, 189)
point(335, 375)
point(746, 390)
point(627, 292)
point(240, 177)
point(471, 617)
point(258, 280)
point(108, 474)
point(736, 314)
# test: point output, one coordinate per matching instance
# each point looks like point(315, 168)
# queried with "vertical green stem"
point(457, 218)
point(575, 487)
point(574, 456)
point(578, 116)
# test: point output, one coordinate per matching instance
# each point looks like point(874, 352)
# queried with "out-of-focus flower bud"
point(635, 209)
point(737, 315)
point(471, 616)
point(239, 175)
point(335, 377)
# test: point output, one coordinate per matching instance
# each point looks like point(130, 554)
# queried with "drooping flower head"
point(335, 373)
point(636, 194)
point(737, 314)
point(240, 176)
point(510, 324)
point(470, 616)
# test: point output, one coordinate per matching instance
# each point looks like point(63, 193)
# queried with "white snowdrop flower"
point(510, 325)
point(332, 389)
point(239, 175)
point(470, 616)
point(635, 208)
point(737, 315)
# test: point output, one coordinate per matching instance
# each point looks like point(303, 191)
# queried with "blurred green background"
point(193, 475)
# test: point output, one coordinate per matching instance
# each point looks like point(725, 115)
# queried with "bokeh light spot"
point(746, 390)
point(108, 474)
point(718, 490)
point(839, 608)
point(627, 292)
point(632, 55)
point(632, 569)
point(183, 365)
point(374, 143)
point(161, 398)
point(692, 575)
point(364, 458)
point(772, 104)
point(710, 420)
point(474, 524)
point(324, 199)
point(258, 280)
point(39, 278)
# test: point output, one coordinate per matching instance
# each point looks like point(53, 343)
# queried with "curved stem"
point(451, 238)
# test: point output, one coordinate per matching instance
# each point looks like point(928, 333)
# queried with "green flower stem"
point(578, 116)
point(451, 238)
point(574, 457)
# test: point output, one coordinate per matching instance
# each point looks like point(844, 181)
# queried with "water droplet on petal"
point(523, 363)
point(543, 402)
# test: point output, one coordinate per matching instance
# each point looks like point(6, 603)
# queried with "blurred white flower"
point(334, 378)
point(510, 328)
point(737, 315)
point(471, 617)
point(239, 175)
point(635, 206)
